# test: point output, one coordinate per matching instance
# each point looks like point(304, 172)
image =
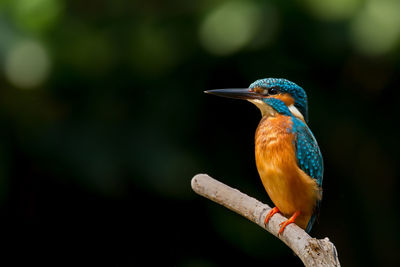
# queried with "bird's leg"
point(287, 222)
point(270, 214)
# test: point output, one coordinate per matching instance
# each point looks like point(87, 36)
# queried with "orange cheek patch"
point(285, 98)
point(258, 90)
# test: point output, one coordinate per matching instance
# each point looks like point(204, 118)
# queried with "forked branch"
point(313, 252)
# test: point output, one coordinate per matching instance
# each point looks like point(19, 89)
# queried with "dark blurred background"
point(104, 122)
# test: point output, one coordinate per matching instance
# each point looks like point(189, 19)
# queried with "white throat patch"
point(296, 112)
point(266, 110)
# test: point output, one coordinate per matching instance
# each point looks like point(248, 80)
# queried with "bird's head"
point(263, 93)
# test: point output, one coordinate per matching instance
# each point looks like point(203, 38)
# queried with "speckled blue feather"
point(286, 86)
point(278, 105)
point(308, 154)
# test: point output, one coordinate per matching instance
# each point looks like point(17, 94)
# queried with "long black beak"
point(237, 93)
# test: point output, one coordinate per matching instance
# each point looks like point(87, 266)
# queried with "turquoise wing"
point(308, 154)
point(309, 158)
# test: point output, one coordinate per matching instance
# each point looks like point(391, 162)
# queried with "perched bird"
point(288, 158)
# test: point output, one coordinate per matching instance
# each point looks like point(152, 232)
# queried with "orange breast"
point(287, 185)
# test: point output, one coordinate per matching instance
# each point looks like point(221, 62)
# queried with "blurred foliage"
point(104, 122)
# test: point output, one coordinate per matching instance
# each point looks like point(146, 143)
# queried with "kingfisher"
point(288, 157)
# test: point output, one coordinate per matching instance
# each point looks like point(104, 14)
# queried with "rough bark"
point(313, 252)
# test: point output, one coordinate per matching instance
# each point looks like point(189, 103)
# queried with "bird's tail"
point(311, 222)
point(314, 216)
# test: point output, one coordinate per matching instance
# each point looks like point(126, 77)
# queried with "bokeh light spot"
point(27, 64)
point(37, 15)
point(333, 10)
point(269, 27)
point(230, 27)
point(376, 29)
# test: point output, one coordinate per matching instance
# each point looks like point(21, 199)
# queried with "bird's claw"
point(270, 214)
point(287, 222)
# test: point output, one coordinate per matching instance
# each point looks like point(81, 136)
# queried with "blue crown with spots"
point(286, 86)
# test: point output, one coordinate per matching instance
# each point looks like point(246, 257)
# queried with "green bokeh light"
point(230, 27)
point(376, 30)
point(27, 64)
point(333, 10)
point(36, 15)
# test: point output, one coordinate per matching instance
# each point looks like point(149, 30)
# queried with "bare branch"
point(313, 252)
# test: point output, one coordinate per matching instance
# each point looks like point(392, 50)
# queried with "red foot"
point(287, 222)
point(270, 214)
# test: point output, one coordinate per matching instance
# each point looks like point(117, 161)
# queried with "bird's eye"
point(272, 91)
